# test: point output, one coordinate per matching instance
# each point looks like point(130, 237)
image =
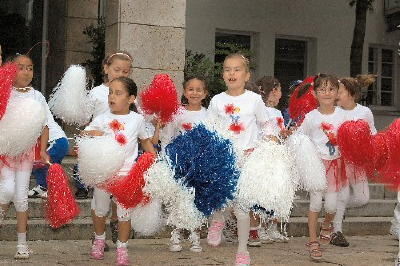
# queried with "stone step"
point(81, 229)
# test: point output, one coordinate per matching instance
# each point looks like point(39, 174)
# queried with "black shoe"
point(339, 240)
point(81, 193)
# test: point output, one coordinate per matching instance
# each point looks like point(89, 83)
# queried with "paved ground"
point(366, 250)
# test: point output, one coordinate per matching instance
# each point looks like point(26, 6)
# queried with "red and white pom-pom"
point(299, 106)
point(380, 152)
point(128, 190)
point(148, 219)
point(355, 142)
point(161, 98)
point(8, 72)
point(61, 207)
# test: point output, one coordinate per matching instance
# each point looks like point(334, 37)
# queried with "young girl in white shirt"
point(240, 110)
point(348, 96)
point(321, 126)
point(131, 127)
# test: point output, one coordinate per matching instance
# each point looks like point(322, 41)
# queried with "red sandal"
point(325, 235)
point(315, 250)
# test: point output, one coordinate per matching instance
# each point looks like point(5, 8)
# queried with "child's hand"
point(286, 133)
point(44, 156)
point(93, 133)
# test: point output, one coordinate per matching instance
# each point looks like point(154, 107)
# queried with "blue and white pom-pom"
point(266, 181)
point(206, 163)
point(69, 100)
point(148, 219)
point(309, 166)
point(21, 126)
point(99, 158)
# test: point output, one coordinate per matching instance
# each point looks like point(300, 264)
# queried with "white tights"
point(101, 205)
point(316, 201)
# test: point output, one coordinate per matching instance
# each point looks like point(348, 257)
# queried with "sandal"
point(325, 235)
point(315, 250)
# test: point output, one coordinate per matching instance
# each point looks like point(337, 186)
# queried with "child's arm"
point(157, 128)
point(147, 145)
point(44, 139)
point(92, 133)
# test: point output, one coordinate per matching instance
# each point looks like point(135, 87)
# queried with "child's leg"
point(243, 222)
point(359, 196)
point(114, 222)
point(330, 210)
point(7, 189)
point(342, 199)
point(315, 208)
point(214, 236)
point(40, 175)
point(124, 230)
point(100, 205)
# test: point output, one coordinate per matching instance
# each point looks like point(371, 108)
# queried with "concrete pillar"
point(153, 31)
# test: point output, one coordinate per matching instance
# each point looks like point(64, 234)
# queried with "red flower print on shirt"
point(236, 128)
point(326, 126)
point(187, 126)
point(280, 121)
point(230, 109)
point(115, 125)
point(121, 139)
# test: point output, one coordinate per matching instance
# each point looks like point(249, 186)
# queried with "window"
point(290, 60)
point(381, 61)
point(231, 42)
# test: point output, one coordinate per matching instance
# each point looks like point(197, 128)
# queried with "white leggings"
point(316, 201)
point(101, 205)
point(243, 225)
point(14, 185)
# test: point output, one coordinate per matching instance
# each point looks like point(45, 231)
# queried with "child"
point(348, 96)
point(58, 148)
point(194, 91)
point(14, 180)
point(321, 126)
point(241, 110)
point(122, 94)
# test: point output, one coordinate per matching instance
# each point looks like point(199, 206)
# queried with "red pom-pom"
point(187, 126)
point(355, 142)
point(127, 190)
point(380, 151)
point(299, 106)
point(121, 139)
point(161, 98)
point(115, 125)
point(8, 72)
point(236, 128)
point(61, 206)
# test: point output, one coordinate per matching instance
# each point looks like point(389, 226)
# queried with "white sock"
point(100, 237)
point(122, 244)
point(21, 238)
point(243, 229)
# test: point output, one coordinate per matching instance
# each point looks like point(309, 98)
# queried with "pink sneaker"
point(242, 259)
point(97, 252)
point(214, 235)
point(122, 256)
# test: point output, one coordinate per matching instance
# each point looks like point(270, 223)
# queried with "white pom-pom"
point(267, 182)
point(21, 126)
point(310, 168)
point(99, 158)
point(69, 100)
point(179, 200)
point(148, 219)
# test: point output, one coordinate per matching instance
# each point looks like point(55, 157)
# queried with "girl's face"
point(344, 98)
point(327, 94)
point(274, 96)
point(235, 73)
point(195, 92)
point(119, 99)
point(118, 68)
point(24, 73)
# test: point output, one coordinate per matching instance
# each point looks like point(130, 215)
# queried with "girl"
point(121, 97)
point(348, 96)
point(240, 110)
point(194, 91)
point(321, 126)
point(15, 172)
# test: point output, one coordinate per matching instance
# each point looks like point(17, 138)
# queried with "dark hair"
point(186, 81)
point(130, 87)
point(251, 86)
point(12, 58)
point(121, 55)
point(266, 85)
point(355, 85)
point(322, 80)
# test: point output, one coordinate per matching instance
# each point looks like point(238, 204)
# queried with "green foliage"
point(96, 34)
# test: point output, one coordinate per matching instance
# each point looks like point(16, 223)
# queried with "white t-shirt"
point(133, 127)
point(241, 114)
point(99, 99)
point(312, 127)
point(272, 125)
point(185, 120)
point(55, 131)
point(362, 112)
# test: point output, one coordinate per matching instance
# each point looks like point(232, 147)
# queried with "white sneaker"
point(175, 241)
point(194, 238)
point(264, 236)
point(23, 252)
point(276, 235)
point(36, 192)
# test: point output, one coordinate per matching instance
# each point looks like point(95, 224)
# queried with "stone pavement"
point(363, 250)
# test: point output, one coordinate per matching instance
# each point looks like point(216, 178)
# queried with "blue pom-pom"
point(206, 162)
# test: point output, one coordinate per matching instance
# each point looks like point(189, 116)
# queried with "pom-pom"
point(207, 163)
point(69, 100)
point(128, 190)
point(21, 126)
point(8, 72)
point(160, 98)
point(310, 170)
point(355, 142)
point(177, 198)
point(61, 207)
point(267, 183)
point(148, 219)
point(380, 151)
point(302, 100)
point(99, 159)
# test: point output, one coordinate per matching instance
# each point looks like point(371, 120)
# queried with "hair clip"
point(123, 54)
